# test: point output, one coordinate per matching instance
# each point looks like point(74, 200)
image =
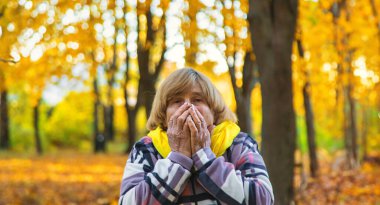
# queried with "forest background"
point(78, 78)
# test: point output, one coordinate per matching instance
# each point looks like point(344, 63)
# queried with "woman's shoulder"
point(244, 137)
point(244, 140)
point(145, 140)
point(144, 144)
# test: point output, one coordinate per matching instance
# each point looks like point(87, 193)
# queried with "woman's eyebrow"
point(197, 93)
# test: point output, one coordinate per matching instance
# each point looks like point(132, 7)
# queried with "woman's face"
point(193, 96)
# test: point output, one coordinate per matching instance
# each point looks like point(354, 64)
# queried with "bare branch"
point(8, 61)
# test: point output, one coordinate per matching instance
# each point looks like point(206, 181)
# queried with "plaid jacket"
point(237, 177)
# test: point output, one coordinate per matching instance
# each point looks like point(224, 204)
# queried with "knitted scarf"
point(221, 138)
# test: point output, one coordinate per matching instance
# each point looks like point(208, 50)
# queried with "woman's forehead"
point(194, 89)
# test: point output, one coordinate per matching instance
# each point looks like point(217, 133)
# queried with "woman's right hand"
point(199, 132)
point(178, 131)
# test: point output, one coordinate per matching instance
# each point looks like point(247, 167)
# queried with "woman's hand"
point(178, 131)
point(199, 132)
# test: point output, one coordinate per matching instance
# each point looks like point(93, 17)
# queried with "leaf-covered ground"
point(337, 185)
point(95, 179)
point(66, 179)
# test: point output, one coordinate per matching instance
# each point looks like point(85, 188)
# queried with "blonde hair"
point(181, 81)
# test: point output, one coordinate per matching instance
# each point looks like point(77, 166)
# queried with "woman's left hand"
point(200, 134)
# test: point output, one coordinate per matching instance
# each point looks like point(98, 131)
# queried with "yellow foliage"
point(48, 42)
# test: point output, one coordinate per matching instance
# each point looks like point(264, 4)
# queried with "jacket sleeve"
point(244, 180)
point(148, 180)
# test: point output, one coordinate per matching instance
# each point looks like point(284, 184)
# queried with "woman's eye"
point(176, 101)
point(198, 100)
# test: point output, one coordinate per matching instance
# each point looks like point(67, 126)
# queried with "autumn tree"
point(87, 35)
point(341, 12)
point(308, 109)
point(99, 54)
point(4, 115)
point(58, 43)
point(340, 58)
point(5, 35)
point(108, 107)
point(151, 48)
point(10, 72)
point(222, 25)
point(238, 44)
point(272, 25)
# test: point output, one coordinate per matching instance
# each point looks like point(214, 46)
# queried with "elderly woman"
point(194, 152)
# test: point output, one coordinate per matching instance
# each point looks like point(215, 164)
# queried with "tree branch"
point(8, 61)
point(160, 64)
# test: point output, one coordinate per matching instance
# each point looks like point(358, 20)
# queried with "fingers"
point(204, 132)
point(193, 133)
point(203, 121)
point(181, 119)
point(178, 113)
point(196, 119)
point(171, 122)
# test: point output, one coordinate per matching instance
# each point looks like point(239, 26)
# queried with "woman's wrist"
point(202, 157)
point(180, 158)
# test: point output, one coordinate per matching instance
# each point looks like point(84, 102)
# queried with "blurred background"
point(78, 77)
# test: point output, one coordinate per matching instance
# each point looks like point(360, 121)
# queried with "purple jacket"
point(237, 177)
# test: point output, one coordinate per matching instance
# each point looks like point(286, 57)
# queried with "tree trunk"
point(131, 115)
point(345, 69)
point(130, 109)
point(310, 130)
point(351, 129)
point(132, 128)
point(108, 114)
point(309, 116)
point(144, 62)
point(99, 138)
point(272, 25)
point(347, 130)
point(109, 106)
point(149, 91)
point(243, 111)
point(364, 132)
point(249, 82)
point(352, 124)
point(354, 129)
point(148, 72)
point(243, 94)
point(4, 121)
point(36, 120)
point(339, 93)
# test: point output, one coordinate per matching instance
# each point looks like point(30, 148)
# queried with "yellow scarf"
point(221, 138)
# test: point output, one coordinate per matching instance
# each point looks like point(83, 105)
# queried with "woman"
point(194, 152)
